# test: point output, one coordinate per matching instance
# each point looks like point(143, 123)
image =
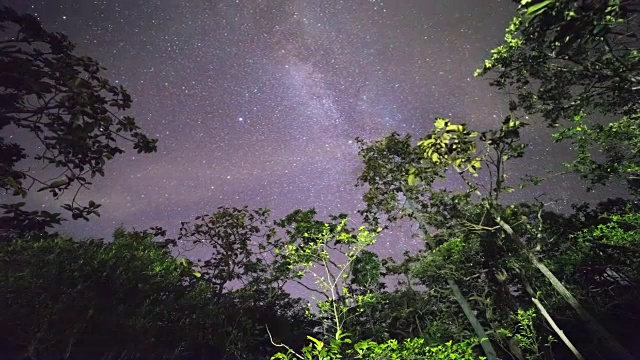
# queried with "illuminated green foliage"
point(315, 247)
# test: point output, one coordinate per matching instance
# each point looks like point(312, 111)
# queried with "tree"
point(315, 244)
point(242, 245)
point(70, 111)
point(386, 164)
point(598, 260)
point(393, 172)
point(131, 298)
point(240, 262)
point(407, 311)
point(66, 297)
point(577, 64)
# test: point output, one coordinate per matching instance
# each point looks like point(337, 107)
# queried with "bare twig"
point(282, 345)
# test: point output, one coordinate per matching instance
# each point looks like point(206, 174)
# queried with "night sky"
point(258, 102)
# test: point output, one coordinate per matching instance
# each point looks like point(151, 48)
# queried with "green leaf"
point(411, 180)
point(538, 8)
point(455, 128)
point(319, 344)
point(475, 164)
point(441, 123)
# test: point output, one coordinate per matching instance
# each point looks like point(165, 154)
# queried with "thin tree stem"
point(597, 330)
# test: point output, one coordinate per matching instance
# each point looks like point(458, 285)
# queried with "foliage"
point(366, 269)
point(620, 230)
point(59, 290)
point(129, 298)
point(601, 262)
point(315, 243)
point(391, 349)
point(403, 314)
point(241, 245)
point(396, 171)
point(457, 221)
point(475, 208)
point(576, 63)
point(61, 100)
point(314, 246)
point(526, 335)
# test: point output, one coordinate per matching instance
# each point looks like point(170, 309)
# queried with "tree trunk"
point(597, 330)
point(477, 327)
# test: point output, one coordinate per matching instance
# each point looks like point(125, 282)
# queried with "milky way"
point(258, 102)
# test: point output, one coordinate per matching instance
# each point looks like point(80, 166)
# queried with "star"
point(310, 75)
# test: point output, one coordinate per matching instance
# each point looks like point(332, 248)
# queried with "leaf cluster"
point(70, 111)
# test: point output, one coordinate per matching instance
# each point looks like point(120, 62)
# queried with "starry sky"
point(258, 102)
